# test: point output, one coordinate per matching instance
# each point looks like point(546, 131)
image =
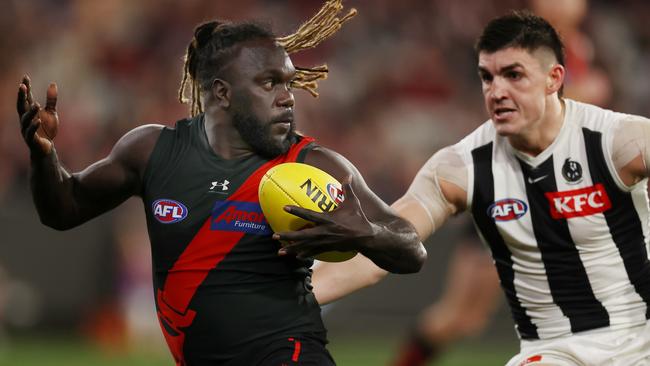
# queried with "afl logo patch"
point(572, 171)
point(507, 209)
point(168, 211)
point(336, 194)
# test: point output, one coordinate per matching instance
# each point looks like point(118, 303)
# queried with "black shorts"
point(295, 351)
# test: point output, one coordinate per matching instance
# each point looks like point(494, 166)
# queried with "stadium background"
point(402, 84)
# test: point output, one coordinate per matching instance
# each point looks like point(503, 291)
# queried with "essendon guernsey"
point(221, 290)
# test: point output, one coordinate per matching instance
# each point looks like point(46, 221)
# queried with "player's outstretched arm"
point(362, 222)
point(437, 192)
point(63, 199)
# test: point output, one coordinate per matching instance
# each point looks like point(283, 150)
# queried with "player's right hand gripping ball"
point(300, 185)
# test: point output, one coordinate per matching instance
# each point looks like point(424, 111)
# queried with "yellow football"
point(300, 185)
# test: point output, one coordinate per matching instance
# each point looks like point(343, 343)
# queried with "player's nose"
point(285, 98)
point(498, 89)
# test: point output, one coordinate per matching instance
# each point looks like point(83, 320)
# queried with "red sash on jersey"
point(201, 256)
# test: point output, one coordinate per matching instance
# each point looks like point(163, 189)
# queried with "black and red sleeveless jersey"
point(221, 289)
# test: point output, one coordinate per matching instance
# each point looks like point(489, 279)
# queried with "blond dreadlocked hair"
point(213, 41)
point(317, 29)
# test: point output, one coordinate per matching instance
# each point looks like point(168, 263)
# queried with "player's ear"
point(555, 78)
point(221, 92)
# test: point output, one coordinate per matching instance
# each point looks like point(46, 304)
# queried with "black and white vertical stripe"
point(563, 275)
point(483, 198)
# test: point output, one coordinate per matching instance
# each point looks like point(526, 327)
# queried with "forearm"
point(395, 247)
point(332, 281)
point(52, 192)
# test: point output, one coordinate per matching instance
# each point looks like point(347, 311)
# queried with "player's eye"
point(268, 84)
point(513, 75)
point(485, 77)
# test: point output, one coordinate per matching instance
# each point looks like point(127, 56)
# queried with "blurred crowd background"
point(402, 84)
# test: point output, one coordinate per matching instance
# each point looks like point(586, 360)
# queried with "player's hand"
point(345, 229)
point(38, 126)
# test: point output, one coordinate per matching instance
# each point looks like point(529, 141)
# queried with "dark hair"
point(520, 29)
point(210, 49)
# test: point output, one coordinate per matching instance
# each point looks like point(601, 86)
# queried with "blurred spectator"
point(399, 77)
point(586, 81)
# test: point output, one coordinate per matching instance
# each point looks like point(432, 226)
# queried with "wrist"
point(38, 156)
point(41, 147)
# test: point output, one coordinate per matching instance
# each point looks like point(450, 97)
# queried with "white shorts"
point(600, 347)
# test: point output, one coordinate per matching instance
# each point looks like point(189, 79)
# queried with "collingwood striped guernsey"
point(569, 239)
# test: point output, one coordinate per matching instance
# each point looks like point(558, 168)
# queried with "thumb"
point(348, 192)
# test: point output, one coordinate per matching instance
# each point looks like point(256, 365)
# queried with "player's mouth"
point(502, 114)
point(283, 123)
point(286, 117)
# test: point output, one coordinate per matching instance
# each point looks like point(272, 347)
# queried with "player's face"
point(515, 88)
point(262, 100)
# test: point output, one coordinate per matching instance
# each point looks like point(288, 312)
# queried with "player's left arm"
point(362, 222)
point(631, 149)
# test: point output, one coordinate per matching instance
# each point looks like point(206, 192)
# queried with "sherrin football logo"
point(168, 211)
point(326, 202)
point(336, 194)
point(507, 209)
point(300, 185)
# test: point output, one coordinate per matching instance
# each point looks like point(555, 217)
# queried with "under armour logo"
point(223, 185)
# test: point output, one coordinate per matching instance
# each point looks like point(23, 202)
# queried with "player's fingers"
point(28, 83)
point(292, 236)
point(27, 117)
point(52, 95)
point(296, 249)
point(306, 214)
point(310, 252)
point(289, 249)
point(21, 102)
point(348, 191)
point(30, 131)
point(347, 180)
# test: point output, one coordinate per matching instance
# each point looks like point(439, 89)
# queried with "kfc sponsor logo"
point(578, 202)
point(507, 209)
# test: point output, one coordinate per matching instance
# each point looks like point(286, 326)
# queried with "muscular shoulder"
point(630, 150)
point(136, 146)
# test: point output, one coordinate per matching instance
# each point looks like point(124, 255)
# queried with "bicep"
point(110, 181)
point(106, 182)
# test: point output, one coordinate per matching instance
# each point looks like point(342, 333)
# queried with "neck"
point(223, 138)
point(543, 132)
